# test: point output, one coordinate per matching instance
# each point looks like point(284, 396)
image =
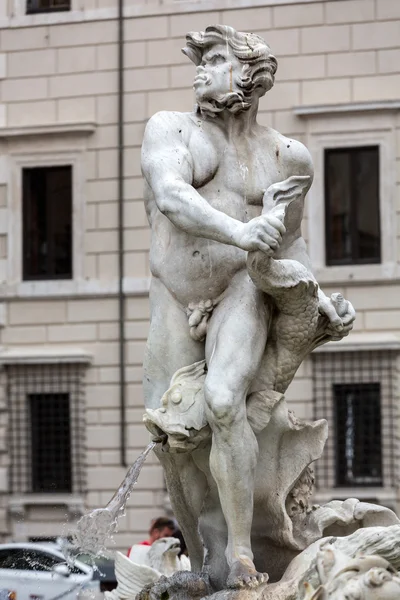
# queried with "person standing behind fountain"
point(159, 528)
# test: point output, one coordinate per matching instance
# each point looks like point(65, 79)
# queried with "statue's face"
point(217, 74)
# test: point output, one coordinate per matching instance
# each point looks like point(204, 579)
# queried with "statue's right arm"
point(167, 166)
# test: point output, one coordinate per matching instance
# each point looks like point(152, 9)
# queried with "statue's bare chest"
point(244, 168)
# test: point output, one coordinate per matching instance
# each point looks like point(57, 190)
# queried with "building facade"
point(71, 206)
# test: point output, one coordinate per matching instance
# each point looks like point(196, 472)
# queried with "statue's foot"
point(243, 574)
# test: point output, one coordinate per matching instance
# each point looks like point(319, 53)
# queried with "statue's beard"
point(209, 105)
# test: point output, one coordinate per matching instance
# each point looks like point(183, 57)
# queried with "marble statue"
point(235, 309)
point(146, 566)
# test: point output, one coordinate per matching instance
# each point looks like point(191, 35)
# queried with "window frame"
point(356, 482)
point(51, 255)
point(15, 203)
point(39, 10)
point(320, 139)
point(362, 363)
point(328, 209)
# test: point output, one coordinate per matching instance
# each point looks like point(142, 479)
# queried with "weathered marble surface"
point(146, 565)
point(235, 309)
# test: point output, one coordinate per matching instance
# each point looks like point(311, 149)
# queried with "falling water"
point(96, 528)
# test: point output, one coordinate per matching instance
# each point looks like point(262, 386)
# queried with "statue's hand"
point(262, 233)
point(340, 313)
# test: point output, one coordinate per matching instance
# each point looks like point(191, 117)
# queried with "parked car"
point(39, 572)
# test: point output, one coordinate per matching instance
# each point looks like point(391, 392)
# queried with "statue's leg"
point(169, 348)
point(234, 348)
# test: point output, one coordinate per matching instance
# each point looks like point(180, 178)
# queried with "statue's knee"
point(220, 404)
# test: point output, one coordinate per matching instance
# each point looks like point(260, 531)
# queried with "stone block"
point(3, 246)
point(383, 320)
point(71, 333)
point(101, 396)
point(283, 95)
point(27, 38)
point(3, 195)
point(301, 67)
point(181, 24)
point(108, 266)
point(134, 134)
point(23, 335)
point(135, 375)
point(351, 63)
point(83, 34)
point(298, 15)
point(138, 309)
point(107, 164)
point(101, 241)
point(146, 28)
point(134, 189)
point(376, 35)
point(102, 191)
point(132, 163)
point(135, 214)
point(31, 113)
point(77, 109)
point(108, 331)
point(382, 87)
point(135, 352)
point(135, 56)
point(378, 297)
point(82, 84)
point(389, 61)
point(33, 63)
point(329, 38)
point(91, 217)
point(108, 215)
point(136, 263)
point(109, 375)
point(139, 241)
point(349, 11)
point(90, 266)
point(74, 60)
point(152, 78)
point(179, 100)
point(135, 107)
point(326, 91)
point(104, 309)
point(102, 436)
point(166, 52)
point(288, 124)
point(19, 90)
point(37, 312)
point(283, 42)
point(387, 9)
point(247, 19)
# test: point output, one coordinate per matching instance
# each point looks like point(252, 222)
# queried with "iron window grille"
point(352, 216)
point(355, 392)
point(47, 222)
point(46, 434)
point(44, 6)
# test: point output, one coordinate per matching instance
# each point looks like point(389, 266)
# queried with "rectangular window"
point(44, 6)
point(352, 219)
point(50, 443)
point(46, 428)
point(47, 223)
point(358, 434)
point(356, 393)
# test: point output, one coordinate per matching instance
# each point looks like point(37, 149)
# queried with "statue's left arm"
point(294, 247)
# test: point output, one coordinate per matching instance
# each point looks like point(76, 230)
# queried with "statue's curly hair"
point(259, 64)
